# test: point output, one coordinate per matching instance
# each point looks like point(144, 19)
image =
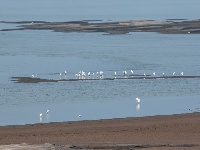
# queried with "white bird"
point(182, 73)
point(77, 75)
point(144, 74)
point(173, 73)
point(88, 75)
point(83, 75)
point(60, 75)
point(163, 73)
point(132, 71)
point(65, 74)
point(101, 74)
point(40, 114)
point(32, 76)
point(137, 100)
point(93, 75)
point(154, 73)
point(47, 111)
point(115, 74)
point(79, 116)
point(125, 73)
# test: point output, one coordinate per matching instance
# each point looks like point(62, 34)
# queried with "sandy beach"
point(157, 132)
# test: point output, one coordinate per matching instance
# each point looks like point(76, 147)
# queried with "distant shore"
point(115, 27)
point(157, 132)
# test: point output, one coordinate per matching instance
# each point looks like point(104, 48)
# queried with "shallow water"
point(47, 53)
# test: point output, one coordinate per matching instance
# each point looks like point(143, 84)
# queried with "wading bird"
point(47, 111)
point(137, 100)
point(132, 72)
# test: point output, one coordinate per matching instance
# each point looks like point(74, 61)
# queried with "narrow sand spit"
point(135, 77)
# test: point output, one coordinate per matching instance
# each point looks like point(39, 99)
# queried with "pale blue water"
point(62, 10)
point(47, 53)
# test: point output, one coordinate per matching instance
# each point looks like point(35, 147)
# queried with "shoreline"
point(177, 131)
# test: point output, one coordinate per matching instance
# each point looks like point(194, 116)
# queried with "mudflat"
point(115, 27)
point(180, 131)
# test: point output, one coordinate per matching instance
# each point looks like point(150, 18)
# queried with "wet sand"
point(116, 27)
point(157, 132)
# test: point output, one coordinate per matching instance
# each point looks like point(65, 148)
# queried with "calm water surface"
point(47, 53)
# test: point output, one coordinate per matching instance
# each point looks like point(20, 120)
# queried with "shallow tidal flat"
point(117, 27)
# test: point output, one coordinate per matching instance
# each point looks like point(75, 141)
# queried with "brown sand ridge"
point(157, 132)
point(117, 27)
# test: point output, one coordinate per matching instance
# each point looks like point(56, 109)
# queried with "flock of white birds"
point(100, 74)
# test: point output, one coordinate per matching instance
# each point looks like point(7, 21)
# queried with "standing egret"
point(79, 116)
point(89, 75)
point(83, 75)
point(125, 73)
point(182, 73)
point(132, 72)
point(137, 100)
point(115, 74)
point(173, 73)
point(65, 74)
point(60, 75)
point(154, 73)
point(47, 111)
point(101, 74)
point(76, 75)
point(93, 75)
point(40, 117)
